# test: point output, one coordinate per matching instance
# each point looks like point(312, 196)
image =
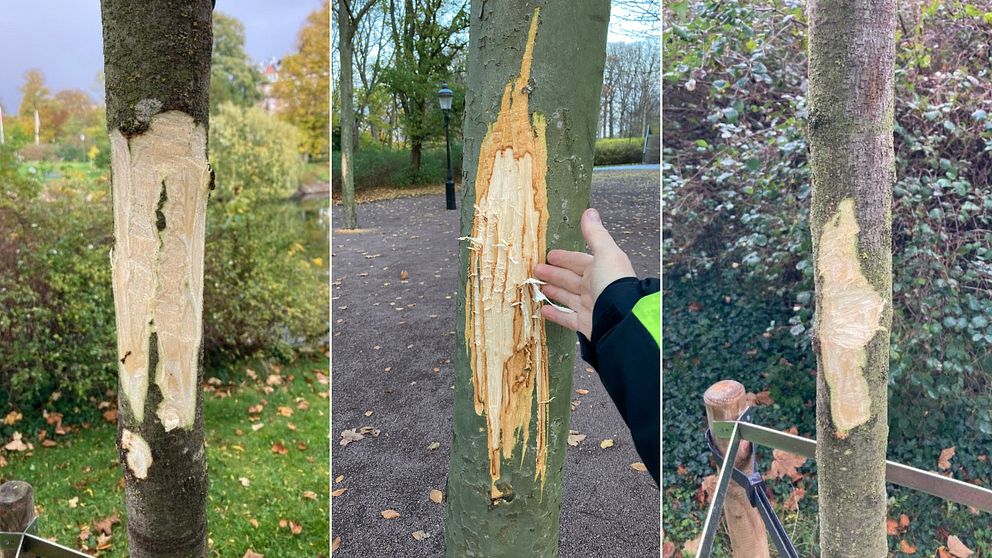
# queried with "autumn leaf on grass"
point(295, 528)
point(944, 461)
point(110, 415)
point(16, 444)
point(279, 448)
point(252, 554)
point(310, 495)
point(957, 548)
point(906, 548)
point(12, 418)
point(784, 464)
point(903, 522)
point(389, 514)
point(792, 502)
point(106, 524)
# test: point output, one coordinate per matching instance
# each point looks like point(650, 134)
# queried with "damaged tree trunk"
point(157, 61)
point(530, 122)
point(851, 70)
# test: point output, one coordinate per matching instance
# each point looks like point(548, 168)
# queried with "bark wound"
point(161, 181)
point(504, 329)
point(139, 455)
point(851, 314)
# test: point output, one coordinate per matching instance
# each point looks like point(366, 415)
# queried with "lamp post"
point(444, 97)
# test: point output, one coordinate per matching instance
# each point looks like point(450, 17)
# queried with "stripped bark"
point(530, 124)
point(851, 70)
point(157, 60)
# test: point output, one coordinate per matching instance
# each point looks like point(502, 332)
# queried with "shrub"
point(381, 167)
point(618, 151)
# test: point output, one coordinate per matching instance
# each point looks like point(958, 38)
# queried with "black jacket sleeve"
point(628, 361)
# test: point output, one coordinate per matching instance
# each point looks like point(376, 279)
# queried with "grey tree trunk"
point(157, 61)
point(345, 37)
point(534, 85)
point(851, 69)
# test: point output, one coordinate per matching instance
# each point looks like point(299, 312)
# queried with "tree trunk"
point(851, 68)
point(530, 122)
point(157, 61)
point(416, 153)
point(345, 36)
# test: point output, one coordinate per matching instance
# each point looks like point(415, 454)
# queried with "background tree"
point(233, 76)
point(304, 83)
point(35, 95)
point(157, 62)
point(534, 84)
point(851, 73)
point(349, 15)
point(426, 39)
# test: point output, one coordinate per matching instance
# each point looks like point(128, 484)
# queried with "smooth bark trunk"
point(851, 69)
point(535, 73)
point(157, 61)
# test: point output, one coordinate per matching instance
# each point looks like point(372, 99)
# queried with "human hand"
point(576, 279)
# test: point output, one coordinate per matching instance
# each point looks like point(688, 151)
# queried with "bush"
point(381, 167)
point(618, 151)
point(736, 194)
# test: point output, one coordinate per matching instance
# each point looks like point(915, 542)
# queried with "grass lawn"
point(269, 488)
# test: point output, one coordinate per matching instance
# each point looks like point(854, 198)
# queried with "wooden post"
point(748, 539)
point(16, 507)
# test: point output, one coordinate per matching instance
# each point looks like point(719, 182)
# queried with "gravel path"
point(392, 347)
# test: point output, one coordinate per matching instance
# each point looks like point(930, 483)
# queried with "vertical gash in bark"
point(157, 60)
point(532, 97)
point(851, 69)
point(504, 330)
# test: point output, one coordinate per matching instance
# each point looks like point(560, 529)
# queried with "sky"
point(64, 38)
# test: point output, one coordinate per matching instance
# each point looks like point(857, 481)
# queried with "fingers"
point(561, 296)
point(597, 237)
point(564, 319)
point(573, 261)
point(559, 277)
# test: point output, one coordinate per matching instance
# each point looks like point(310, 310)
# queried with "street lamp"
point(444, 97)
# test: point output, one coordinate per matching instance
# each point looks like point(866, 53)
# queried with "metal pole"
point(449, 185)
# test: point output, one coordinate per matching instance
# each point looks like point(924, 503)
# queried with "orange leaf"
point(891, 527)
point(944, 461)
point(957, 548)
point(906, 548)
point(903, 522)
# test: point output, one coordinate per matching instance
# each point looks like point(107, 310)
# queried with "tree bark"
point(532, 99)
point(345, 37)
point(851, 69)
point(157, 61)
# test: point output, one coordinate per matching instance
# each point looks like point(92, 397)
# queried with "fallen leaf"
point(792, 502)
point(257, 426)
point(574, 437)
point(763, 398)
point(310, 495)
point(338, 492)
point(582, 391)
point(906, 548)
point(16, 444)
point(245, 482)
point(692, 547)
point(274, 380)
point(943, 553)
point(903, 522)
point(252, 554)
point(279, 448)
point(110, 416)
point(404, 275)
point(433, 446)
point(73, 502)
point(253, 522)
point(420, 535)
point(436, 496)
point(957, 548)
point(106, 524)
point(295, 528)
point(638, 466)
point(336, 544)
point(389, 514)
point(12, 418)
point(286, 411)
point(891, 527)
point(667, 549)
point(784, 464)
point(349, 436)
point(49, 443)
point(706, 490)
point(607, 443)
point(339, 478)
point(944, 461)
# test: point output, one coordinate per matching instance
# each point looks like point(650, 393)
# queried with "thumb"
point(597, 237)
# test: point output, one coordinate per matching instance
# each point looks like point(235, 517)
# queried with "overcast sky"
point(64, 39)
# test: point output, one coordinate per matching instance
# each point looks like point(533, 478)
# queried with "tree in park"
point(35, 95)
point(349, 14)
point(305, 82)
point(851, 72)
point(233, 77)
point(534, 78)
point(426, 41)
point(157, 61)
